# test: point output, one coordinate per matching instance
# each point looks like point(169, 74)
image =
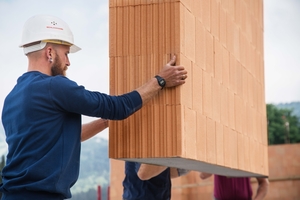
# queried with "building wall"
point(284, 168)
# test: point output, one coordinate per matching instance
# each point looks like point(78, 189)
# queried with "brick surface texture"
point(218, 118)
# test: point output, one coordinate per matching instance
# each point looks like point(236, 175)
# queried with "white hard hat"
point(40, 29)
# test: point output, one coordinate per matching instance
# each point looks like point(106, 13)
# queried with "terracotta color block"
point(233, 157)
point(216, 98)
point(112, 32)
point(187, 89)
point(209, 53)
point(150, 28)
point(200, 51)
point(243, 16)
point(188, 4)
point(112, 3)
point(215, 19)
point(125, 31)
point(161, 32)
point(242, 48)
point(227, 148)
point(245, 84)
point(232, 74)
point(206, 13)
point(218, 61)
point(247, 149)
point(207, 94)
point(113, 70)
point(225, 69)
point(182, 28)
point(223, 27)
point(211, 141)
point(224, 106)
point(260, 45)
point(144, 32)
point(250, 88)
point(250, 119)
point(190, 31)
point(190, 133)
point(264, 127)
point(237, 12)
point(248, 30)
point(236, 42)
point(219, 144)
point(230, 33)
point(231, 103)
point(176, 24)
point(238, 113)
point(197, 84)
point(253, 33)
point(239, 79)
point(201, 137)
point(241, 151)
point(119, 36)
point(244, 118)
point(255, 93)
point(137, 33)
point(231, 9)
point(197, 10)
point(225, 4)
point(168, 28)
point(219, 114)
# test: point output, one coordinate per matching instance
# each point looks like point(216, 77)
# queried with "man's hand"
point(173, 75)
point(203, 175)
point(263, 185)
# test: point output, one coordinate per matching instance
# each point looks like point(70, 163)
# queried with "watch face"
point(162, 82)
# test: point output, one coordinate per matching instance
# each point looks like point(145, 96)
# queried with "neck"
point(39, 64)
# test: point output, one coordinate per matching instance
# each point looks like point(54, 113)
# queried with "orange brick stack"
point(216, 122)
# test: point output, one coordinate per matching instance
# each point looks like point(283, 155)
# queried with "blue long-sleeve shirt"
point(42, 121)
point(156, 188)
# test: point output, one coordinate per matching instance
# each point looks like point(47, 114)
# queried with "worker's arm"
point(176, 172)
point(147, 171)
point(263, 184)
point(204, 175)
point(173, 75)
point(90, 129)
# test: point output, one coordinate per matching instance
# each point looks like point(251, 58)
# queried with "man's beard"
point(56, 68)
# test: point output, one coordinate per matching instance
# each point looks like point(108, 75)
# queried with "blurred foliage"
point(283, 125)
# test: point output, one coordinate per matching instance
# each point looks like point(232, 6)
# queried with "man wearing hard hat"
point(42, 114)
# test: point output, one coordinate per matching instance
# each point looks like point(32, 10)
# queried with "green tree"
point(283, 126)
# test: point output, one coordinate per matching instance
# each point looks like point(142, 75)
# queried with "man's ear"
point(49, 51)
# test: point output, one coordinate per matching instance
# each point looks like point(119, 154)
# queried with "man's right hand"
point(173, 75)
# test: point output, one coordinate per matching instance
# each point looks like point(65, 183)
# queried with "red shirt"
point(232, 188)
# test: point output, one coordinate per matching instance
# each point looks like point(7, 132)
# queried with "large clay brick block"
point(216, 122)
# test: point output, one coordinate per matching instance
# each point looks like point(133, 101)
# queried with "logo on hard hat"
point(53, 27)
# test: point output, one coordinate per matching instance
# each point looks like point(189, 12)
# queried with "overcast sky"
point(88, 21)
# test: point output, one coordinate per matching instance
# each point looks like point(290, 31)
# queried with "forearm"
point(147, 171)
point(262, 189)
point(148, 90)
point(177, 172)
point(204, 175)
point(90, 129)
point(174, 172)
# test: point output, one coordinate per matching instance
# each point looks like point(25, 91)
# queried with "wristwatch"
point(161, 81)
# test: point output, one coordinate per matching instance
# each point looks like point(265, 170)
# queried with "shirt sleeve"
point(68, 96)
